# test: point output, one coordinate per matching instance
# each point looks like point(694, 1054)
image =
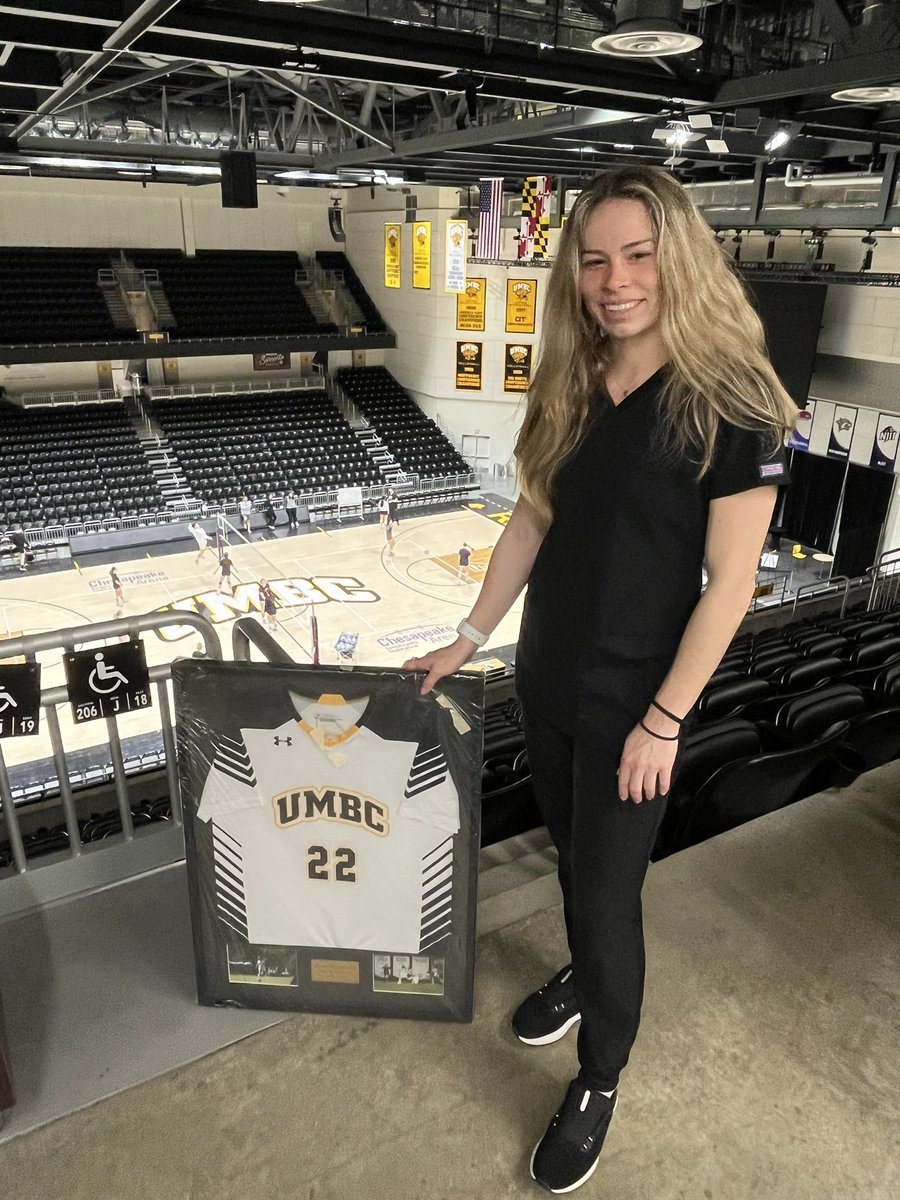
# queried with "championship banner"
point(391, 255)
point(468, 366)
point(456, 243)
point(421, 255)
point(884, 447)
point(331, 837)
point(470, 306)
point(842, 427)
point(521, 297)
point(534, 228)
point(517, 368)
point(799, 437)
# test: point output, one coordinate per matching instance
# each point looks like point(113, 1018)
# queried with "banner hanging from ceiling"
point(457, 240)
point(391, 255)
point(421, 255)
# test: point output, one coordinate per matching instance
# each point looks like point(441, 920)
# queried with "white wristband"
point(470, 632)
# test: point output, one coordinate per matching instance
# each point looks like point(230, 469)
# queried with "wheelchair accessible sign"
point(107, 681)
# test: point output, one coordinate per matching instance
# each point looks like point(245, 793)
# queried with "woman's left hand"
point(645, 769)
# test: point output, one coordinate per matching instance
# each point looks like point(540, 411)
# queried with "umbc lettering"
point(299, 805)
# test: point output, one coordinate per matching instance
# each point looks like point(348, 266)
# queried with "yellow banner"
point(456, 248)
point(521, 296)
point(391, 255)
point(470, 305)
point(421, 255)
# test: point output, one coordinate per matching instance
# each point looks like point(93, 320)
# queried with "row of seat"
point(734, 770)
point(63, 465)
point(412, 438)
point(52, 295)
point(233, 293)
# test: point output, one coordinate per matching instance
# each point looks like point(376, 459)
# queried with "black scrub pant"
point(604, 847)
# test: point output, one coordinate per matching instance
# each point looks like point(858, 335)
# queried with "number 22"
point(318, 866)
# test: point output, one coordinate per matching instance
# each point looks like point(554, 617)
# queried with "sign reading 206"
point(107, 682)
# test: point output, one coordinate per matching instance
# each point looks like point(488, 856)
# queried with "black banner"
point(517, 367)
point(468, 366)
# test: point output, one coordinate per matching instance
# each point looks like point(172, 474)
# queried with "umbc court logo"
point(518, 354)
point(294, 593)
point(522, 289)
point(473, 287)
point(469, 351)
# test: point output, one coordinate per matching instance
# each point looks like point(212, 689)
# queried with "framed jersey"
point(332, 825)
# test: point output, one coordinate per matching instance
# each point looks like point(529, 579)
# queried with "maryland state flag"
point(534, 229)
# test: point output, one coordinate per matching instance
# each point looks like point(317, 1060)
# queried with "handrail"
point(885, 576)
point(298, 383)
point(28, 646)
point(246, 630)
point(824, 587)
point(68, 398)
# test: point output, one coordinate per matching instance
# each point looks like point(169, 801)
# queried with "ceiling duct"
point(647, 29)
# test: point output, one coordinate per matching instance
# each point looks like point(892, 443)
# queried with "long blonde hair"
point(715, 347)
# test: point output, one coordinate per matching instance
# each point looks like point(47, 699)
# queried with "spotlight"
point(738, 241)
point(772, 235)
point(779, 138)
point(816, 244)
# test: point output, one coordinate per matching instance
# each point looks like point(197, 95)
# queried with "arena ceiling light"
point(647, 29)
point(779, 138)
point(886, 94)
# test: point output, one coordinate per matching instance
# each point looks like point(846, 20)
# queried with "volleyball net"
point(295, 614)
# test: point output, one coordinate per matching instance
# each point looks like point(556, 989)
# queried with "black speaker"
point(239, 179)
point(336, 224)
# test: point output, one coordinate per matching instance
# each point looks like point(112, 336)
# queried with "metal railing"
point(67, 399)
point(296, 383)
point(884, 575)
point(79, 868)
point(837, 585)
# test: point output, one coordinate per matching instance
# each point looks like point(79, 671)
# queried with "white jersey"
point(200, 536)
point(339, 840)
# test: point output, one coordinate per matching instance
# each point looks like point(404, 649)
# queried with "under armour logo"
point(286, 741)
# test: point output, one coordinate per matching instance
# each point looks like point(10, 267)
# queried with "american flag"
point(490, 205)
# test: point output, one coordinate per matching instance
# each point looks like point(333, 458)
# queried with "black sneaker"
point(549, 1013)
point(568, 1153)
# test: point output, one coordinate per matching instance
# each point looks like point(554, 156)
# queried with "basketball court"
point(397, 605)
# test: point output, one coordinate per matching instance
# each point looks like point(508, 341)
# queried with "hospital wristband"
point(470, 632)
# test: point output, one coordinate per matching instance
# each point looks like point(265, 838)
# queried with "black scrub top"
point(618, 573)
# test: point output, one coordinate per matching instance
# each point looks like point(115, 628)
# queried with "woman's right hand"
point(438, 663)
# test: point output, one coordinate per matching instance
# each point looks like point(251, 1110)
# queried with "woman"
point(268, 606)
point(651, 444)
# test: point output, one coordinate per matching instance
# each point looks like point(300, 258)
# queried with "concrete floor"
point(767, 1067)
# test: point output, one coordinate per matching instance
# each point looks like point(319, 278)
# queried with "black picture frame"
point(258, 821)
